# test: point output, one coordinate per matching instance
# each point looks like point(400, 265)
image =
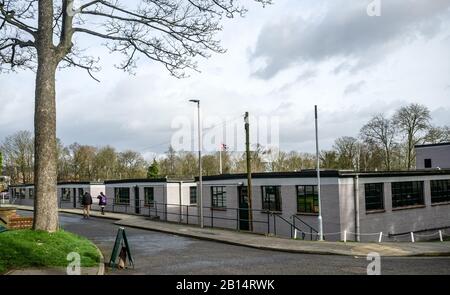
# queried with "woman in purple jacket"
point(102, 202)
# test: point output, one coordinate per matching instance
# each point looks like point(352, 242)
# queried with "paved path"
point(162, 253)
point(388, 249)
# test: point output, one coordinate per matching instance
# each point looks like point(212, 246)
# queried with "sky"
point(281, 60)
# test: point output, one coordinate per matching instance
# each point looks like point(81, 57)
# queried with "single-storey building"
point(358, 205)
point(432, 156)
point(69, 193)
point(161, 198)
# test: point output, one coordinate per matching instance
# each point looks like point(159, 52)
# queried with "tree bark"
point(46, 203)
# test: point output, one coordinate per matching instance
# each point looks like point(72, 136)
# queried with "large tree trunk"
point(45, 168)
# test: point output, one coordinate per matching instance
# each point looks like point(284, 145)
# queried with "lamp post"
point(200, 195)
point(318, 177)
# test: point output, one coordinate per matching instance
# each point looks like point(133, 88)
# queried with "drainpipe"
point(356, 205)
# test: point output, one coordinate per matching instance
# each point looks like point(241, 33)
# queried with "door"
point(74, 191)
point(137, 202)
point(243, 208)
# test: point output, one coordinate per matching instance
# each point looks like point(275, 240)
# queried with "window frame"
point(147, 189)
point(440, 194)
point(31, 193)
point(65, 197)
point(218, 197)
point(22, 193)
point(193, 196)
point(370, 187)
point(302, 193)
point(276, 201)
point(429, 162)
point(400, 189)
point(118, 198)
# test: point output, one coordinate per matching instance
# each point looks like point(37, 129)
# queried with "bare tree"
point(347, 150)
point(41, 35)
point(437, 134)
point(18, 152)
point(380, 131)
point(414, 121)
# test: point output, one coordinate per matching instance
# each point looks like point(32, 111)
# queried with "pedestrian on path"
point(102, 202)
point(86, 202)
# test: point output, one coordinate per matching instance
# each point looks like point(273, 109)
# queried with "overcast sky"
point(281, 60)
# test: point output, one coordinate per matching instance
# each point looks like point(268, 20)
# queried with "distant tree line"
point(383, 143)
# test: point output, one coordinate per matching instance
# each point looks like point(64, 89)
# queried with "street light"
point(200, 195)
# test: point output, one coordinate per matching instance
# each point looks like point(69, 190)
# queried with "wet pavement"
point(161, 253)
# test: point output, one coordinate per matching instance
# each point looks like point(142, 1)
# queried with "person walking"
point(102, 202)
point(86, 202)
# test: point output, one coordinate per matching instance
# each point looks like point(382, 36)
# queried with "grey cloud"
point(346, 31)
point(354, 87)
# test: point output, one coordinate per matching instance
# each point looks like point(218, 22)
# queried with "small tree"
point(381, 132)
point(41, 35)
point(153, 170)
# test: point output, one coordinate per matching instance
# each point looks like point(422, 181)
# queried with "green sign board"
point(121, 248)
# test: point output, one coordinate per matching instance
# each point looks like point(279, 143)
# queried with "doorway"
point(244, 222)
point(74, 191)
point(137, 202)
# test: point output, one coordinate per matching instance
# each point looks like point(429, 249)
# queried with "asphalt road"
point(159, 253)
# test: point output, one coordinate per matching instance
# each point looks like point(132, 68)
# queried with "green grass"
point(28, 248)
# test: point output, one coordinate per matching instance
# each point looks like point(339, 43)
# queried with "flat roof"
point(327, 174)
point(432, 144)
point(149, 180)
point(63, 183)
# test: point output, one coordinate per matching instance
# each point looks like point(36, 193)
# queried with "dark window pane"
point(407, 193)
point(271, 199)
point(440, 191)
point(307, 199)
point(374, 196)
point(149, 196)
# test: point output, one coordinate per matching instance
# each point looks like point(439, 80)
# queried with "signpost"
point(121, 248)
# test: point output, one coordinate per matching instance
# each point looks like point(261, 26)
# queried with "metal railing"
point(263, 221)
point(312, 230)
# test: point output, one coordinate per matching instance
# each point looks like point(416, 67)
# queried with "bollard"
point(440, 236)
point(380, 237)
point(412, 237)
point(345, 236)
point(295, 234)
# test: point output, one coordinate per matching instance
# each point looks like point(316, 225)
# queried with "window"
point(271, 198)
point(22, 193)
point(149, 200)
point(80, 194)
point(407, 193)
point(374, 196)
point(427, 163)
point(218, 197)
point(122, 195)
point(307, 199)
point(440, 191)
point(193, 195)
point(31, 193)
point(65, 194)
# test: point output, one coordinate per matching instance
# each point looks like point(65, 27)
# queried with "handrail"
point(311, 229)
point(288, 222)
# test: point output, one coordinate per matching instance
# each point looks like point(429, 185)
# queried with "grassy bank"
point(27, 248)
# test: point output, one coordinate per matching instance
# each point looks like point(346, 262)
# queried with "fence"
point(261, 221)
